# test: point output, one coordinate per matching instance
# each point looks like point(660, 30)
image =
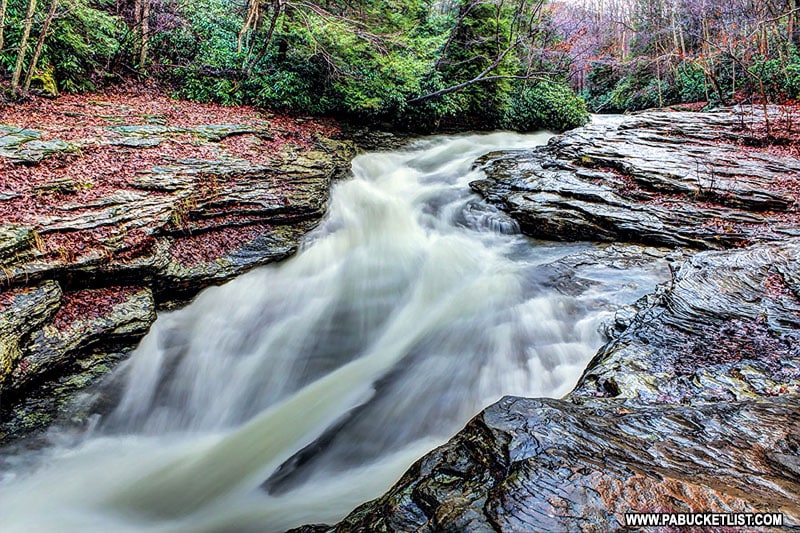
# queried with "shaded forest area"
point(515, 64)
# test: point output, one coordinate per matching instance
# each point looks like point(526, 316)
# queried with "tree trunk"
point(23, 46)
point(277, 7)
point(3, 6)
point(137, 26)
point(675, 41)
point(40, 43)
point(145, 32)
point(658, 79)
point(249, 21)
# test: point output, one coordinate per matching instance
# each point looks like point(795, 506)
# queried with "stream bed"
point(295, 392)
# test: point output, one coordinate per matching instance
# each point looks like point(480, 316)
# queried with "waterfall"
point(299, 390)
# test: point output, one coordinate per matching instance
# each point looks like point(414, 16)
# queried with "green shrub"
point(781, 77)
point(545, 105)
point(691, 82)
point(639, 87)
point(82, 41)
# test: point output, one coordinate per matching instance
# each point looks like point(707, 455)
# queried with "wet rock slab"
point(181, 227)
point(726, 328)
point(657, 178)
point(550, 465)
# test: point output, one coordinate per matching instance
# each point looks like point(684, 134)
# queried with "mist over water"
point(299, 390)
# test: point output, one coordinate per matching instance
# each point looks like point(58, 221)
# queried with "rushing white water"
point(300, 390)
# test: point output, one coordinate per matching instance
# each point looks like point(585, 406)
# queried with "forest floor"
point(79, 149)
point(96, 153)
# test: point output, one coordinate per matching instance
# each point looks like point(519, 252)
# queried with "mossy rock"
point(138, 142)
point(44, 83)
point(144, 131)
point(25, 146)
point(26, 312)
point(15, 241)
point(218, 132)
point(61, 186)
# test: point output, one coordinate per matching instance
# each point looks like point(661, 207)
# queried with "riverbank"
point(114, 205)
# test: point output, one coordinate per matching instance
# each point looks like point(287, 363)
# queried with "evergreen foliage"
point(545, 105)
point(412, 63)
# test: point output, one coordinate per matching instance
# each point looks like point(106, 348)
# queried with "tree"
point(23, 46)
point(37, 52)
point(3, 9)
point(482, 53)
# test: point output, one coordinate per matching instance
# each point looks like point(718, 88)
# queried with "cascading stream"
point(296, 392)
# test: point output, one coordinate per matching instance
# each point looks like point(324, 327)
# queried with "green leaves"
point(545, 105)
point(368, 60)
point(82, 40)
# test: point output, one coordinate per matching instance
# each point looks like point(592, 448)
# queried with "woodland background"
point(519, 64)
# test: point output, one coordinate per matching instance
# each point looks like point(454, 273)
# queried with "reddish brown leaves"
point(209, 246)
point(89, 304)
point(98, 169)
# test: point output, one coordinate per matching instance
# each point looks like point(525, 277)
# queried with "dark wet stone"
point(57, 359)
point(692, 407)
point(568, 274)
point(658, 178)
point(551, 465)
point(15, 242)
point(53, 348)
point(23, 313)
point(726, 328)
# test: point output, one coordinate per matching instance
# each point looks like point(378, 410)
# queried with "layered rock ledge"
point(130, 212)
point(694, 403)
point(660, 178)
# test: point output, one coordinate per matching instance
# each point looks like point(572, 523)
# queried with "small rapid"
point(302, 389)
